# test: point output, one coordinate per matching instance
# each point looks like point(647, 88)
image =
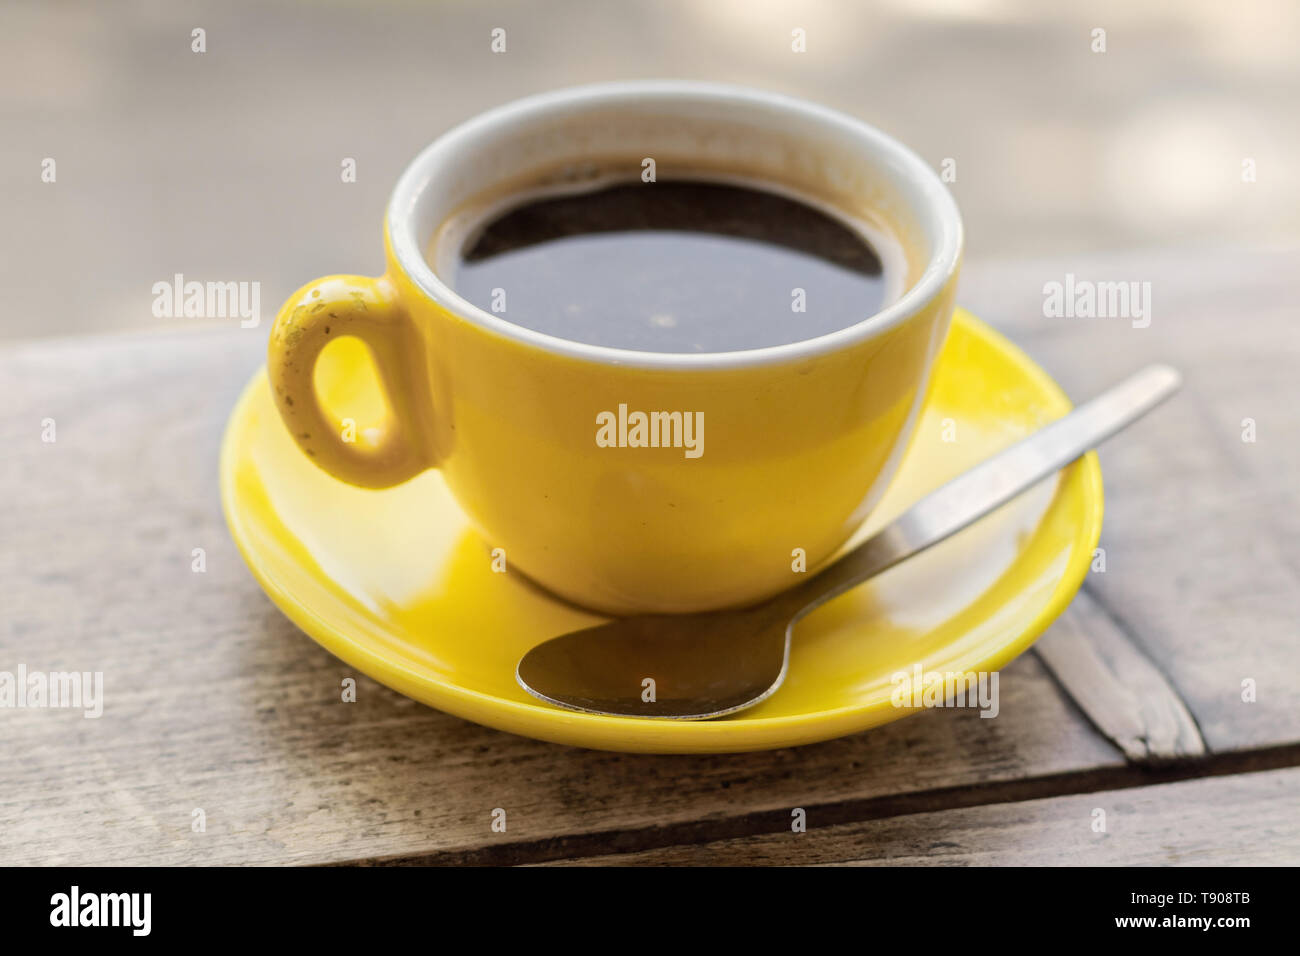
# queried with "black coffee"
point(673, 267)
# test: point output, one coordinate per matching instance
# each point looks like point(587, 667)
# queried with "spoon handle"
point(988, 485)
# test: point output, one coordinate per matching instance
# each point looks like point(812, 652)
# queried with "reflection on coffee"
point(683, 266)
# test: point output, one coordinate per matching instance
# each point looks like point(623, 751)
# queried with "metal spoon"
point(715, 663)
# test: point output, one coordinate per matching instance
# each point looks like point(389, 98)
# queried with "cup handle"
point(368, 309)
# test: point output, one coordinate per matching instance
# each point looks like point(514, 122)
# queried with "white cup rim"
point(920, 187)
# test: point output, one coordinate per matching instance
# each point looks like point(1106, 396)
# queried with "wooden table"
point(1132, 703)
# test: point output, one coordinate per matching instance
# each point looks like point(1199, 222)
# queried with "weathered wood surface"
point(1118, 687)
point(214, 701)
point(1241, 820)
point(1202, 529)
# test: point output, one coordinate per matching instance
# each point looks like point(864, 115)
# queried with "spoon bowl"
point(672, 666)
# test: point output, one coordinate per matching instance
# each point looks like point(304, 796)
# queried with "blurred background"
point(225, 165)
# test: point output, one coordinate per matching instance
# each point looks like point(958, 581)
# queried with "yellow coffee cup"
point(789, 447)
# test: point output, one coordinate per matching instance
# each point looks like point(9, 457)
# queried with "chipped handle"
point(367, 309)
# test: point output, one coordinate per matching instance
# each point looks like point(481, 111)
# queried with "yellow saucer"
point(397, 584)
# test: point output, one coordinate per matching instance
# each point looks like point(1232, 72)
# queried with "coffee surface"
point(673, 267)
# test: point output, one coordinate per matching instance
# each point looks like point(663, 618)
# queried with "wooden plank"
point(1116, 685)
point(1202, 530)
point(1241, 820)
point(215, 701)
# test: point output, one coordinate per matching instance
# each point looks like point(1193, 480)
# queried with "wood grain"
point(214, 701)
point(1202, 529)
point(1242, 820)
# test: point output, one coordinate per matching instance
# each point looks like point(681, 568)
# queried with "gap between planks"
point(615, 842)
